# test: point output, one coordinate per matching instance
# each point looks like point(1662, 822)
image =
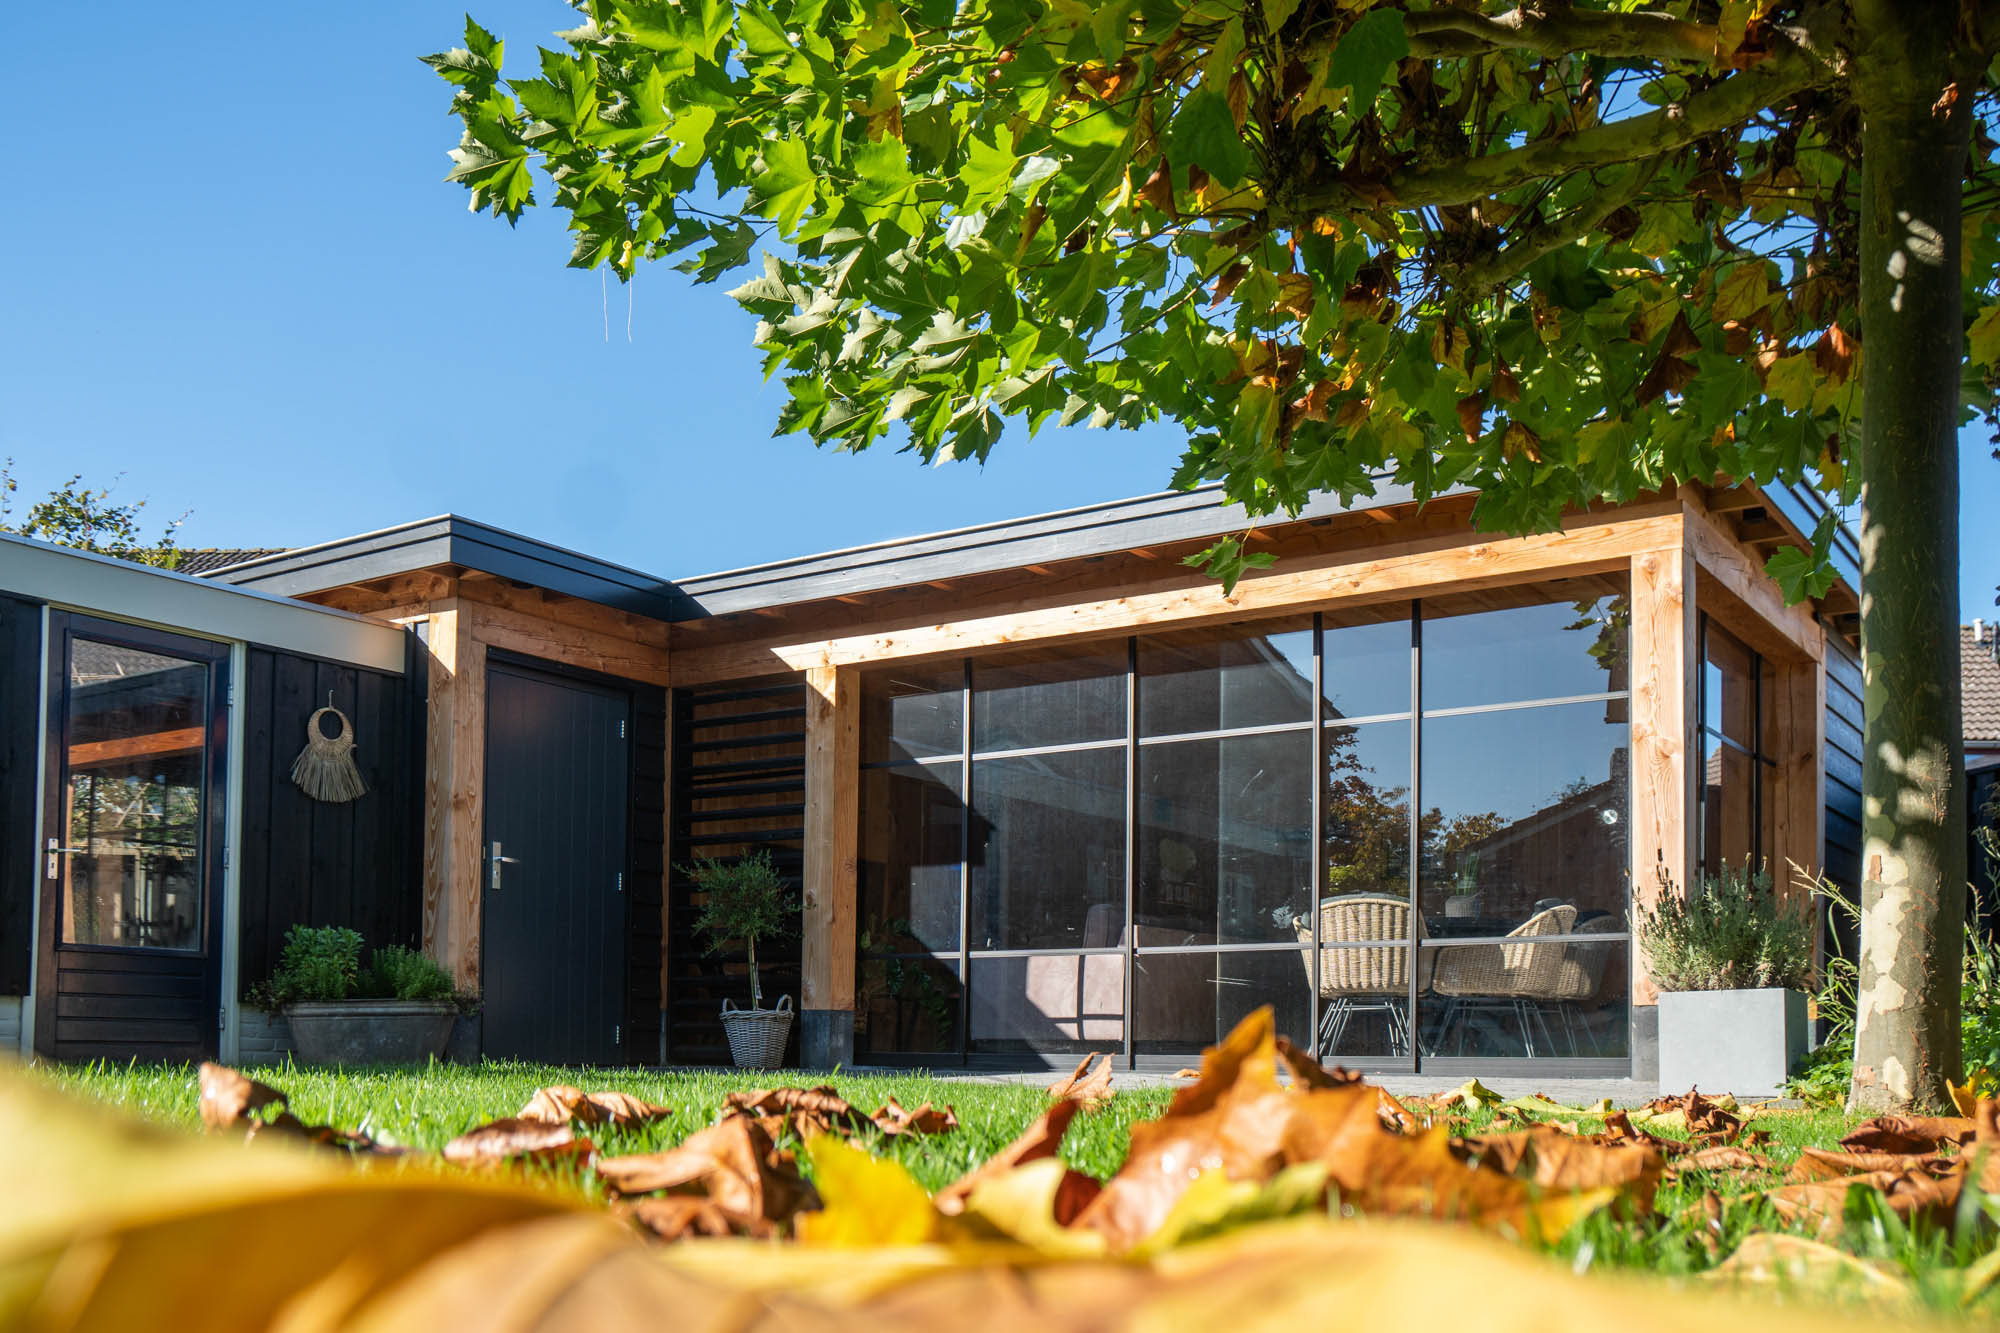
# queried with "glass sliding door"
point(1402, 827)
point(131, 852)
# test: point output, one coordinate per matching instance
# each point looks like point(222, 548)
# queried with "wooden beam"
point(418, 586)
point(1799, 829)
point(1724, 500)
point(182, 741)
point(588, 650)
point(454, 805)
point(1749, 589)
point(572, 611)
point(1446, 562)
point(1664, 664)
point(832, 860)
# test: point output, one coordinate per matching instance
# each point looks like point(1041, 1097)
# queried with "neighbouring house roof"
point(1979, 674)
point(208, 559)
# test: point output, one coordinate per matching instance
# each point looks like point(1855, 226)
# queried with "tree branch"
point(1491, 272)
point(1640, 36)
point(1735, 99)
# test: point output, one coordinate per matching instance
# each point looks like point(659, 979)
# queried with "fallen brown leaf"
point(1772, 1257)
point(230, 1100)
point(558, 1104)
point(892, 1119)
point(1826, 1164)
point(1092, 1089)
point(735, 1166)
point(512, 1138)
point(679, 1216)
point(805, 1111)
point(1721, 1157)
point(1911, 1194)
point(1039, 1140)
point(1909, 1134)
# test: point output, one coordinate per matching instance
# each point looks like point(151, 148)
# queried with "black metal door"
point(130, 937)
point(552, 968)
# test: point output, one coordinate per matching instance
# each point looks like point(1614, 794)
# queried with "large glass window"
point(1738, 766)
point(1130, 846)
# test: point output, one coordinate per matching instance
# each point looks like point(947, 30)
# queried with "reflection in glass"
point(1225, 679)
point(1366, 671)
point(910, 820)
point(907, 1006)
point(1184, 1002)
point(1729, 791)
point(1367, 813)
point(136, 727)
point(1048, 851)
point(1051, 1002)
point(912, 712)
point(1225, 839)
point(1564, 996)
point(1049, 697)
point(1729, 687)
point(1364, 974)
point(1523, 807)
point(1553, 650)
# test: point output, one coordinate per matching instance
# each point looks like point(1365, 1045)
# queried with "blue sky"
point(235, 276)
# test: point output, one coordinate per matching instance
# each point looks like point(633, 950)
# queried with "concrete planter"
point(370, 1032)
point(1738, 1041)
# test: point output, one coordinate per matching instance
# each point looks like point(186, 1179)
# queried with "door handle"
point(55, 849)
point(497, 861)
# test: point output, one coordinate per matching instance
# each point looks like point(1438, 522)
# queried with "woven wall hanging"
point(325, 769)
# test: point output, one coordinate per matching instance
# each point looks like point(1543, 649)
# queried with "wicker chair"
point(1580, 977)
point(1364, 980)
point(1503, 979)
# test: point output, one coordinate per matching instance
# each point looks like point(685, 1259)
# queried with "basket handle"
point(783, 1006)
point(727, 1007)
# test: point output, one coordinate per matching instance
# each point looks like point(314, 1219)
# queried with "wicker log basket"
point(757, 1037)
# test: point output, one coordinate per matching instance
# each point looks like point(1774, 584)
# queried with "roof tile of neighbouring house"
point(1979, 655)
point(208, 559)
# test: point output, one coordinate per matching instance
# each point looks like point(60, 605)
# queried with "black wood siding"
point(317, 863)
point(647, 827)
point(739, 775)
point(20, 761)
point(1843, 783)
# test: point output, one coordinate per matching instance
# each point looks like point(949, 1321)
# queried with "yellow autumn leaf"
point(868, 1200)
point(1792, 381)
point(1020, 1205)
point(1982, 340)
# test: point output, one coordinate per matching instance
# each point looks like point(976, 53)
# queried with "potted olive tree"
point(1463, 899)
point(748, 901)
point(1733, 963)
point(398, 1009)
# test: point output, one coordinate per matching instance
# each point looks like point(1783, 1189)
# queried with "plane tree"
point(1554, 252)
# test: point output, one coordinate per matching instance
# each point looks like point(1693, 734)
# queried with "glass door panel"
point(130, 857)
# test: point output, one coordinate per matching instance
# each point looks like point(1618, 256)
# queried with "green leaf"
point(986, 172)
point(1227, 562)
point(1983, 338)
point(1278, 12)
point(1203, 132)
point(1366, 53)
point(784, 188)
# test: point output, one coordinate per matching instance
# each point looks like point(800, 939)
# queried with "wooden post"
point(832, 833)
point(455, 757)
point(1800, 789)
point(1663, 734)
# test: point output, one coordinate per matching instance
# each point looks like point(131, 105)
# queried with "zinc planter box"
point(370, 1032)
point(1737, 1041)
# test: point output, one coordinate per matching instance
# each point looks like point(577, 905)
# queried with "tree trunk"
point(1913, 146)
point(757, 996)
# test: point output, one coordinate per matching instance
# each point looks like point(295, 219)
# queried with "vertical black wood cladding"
point(1844, 722)
point(316, 863)
point(647, 830)
point(20, 759)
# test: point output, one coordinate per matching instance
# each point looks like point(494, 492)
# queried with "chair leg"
point(1328, 1022)
point(1527, 1035)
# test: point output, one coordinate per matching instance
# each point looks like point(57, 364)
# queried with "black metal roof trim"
point(452, 540)
point(1068, 534)
point(1803, 505)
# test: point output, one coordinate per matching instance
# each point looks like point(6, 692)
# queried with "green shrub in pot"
point(1734, 933)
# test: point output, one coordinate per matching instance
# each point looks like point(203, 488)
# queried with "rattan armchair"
point(1503, 979)
point(1366, 979)
point(1580, 977)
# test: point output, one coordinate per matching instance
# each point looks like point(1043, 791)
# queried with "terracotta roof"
point(1979, 655)
point(208, 559)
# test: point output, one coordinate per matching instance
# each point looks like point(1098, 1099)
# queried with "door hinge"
point(621, 728)
point(621, 881)
point(221, 1017)
point(617, 1034)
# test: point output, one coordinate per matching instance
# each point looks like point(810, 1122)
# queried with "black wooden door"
point(130, 937)
point(552, 967)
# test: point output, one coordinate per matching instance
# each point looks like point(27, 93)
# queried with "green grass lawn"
point(424, 1108)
